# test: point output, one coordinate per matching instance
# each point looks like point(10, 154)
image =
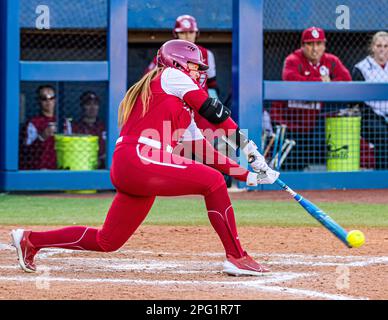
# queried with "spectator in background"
point(90, 124)
point(186, 29)
point(37, 139)
point(374, 68)
point(309, 63)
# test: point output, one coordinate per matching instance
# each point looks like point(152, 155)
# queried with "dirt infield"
point(163, 263)
point(186, 262)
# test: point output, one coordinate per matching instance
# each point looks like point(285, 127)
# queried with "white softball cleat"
point(244, 266)
point(24, 249)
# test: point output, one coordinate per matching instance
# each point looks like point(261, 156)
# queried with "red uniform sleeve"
point(291, 70)
point(211, 157)
point(195, 100)
point(341, 73)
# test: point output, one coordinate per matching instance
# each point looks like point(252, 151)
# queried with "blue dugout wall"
point(15, 71)
point(244, 18)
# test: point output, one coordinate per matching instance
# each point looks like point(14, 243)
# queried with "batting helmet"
point(185, 23)
point(177, 53)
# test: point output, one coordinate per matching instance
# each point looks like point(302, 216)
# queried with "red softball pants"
point(140, 173)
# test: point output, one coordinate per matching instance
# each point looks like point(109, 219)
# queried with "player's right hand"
point(269, 177)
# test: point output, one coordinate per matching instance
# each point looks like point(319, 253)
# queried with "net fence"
point(61, 31)
point(315, 41)
point(50, 110)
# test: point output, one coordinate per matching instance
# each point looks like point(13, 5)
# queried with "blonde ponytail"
point(141, 87)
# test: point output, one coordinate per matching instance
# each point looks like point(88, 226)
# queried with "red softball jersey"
point(175, 101)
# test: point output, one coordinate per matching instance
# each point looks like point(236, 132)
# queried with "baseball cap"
point(313, 34)
point(89, 96)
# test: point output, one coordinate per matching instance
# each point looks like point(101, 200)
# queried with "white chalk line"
point(275, 259)
point(257, 285)
point(154, 266)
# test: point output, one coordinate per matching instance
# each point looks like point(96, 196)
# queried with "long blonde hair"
point(141, 87)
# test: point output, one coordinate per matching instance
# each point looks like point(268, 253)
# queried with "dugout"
point(80, 52)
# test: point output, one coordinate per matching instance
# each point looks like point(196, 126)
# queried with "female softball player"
point(155, 116)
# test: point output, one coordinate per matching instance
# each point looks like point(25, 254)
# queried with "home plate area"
point(147, 274)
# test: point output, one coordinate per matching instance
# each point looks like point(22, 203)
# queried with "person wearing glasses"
point(38, 134)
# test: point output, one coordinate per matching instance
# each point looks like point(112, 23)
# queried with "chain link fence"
point(63, 31)
point(47, 110)
point(63, 124)
point(352, 46)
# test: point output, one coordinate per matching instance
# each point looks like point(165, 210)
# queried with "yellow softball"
point(355, 238)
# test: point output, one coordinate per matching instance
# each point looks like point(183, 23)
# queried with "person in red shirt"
point(91, 124)
point(37, 138)
point(156, 118)
point(309, 63)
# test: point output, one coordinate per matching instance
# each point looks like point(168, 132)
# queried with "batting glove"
point(255, 159)
point(254, 179)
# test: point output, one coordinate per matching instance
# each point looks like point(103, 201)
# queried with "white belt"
point(149, 142)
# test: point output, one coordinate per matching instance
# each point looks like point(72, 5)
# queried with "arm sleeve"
point(291, 71)
point(178, 83)
point(211, 157)
point(341, 72)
